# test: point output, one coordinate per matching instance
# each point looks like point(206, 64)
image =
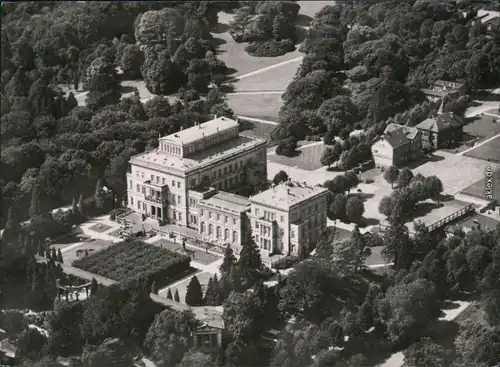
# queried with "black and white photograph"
point(224, 183)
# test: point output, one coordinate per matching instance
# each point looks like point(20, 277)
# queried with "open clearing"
point(477, 189)
point(490, 150)
point(484, 127)
point(263, 106)
point(308, 158)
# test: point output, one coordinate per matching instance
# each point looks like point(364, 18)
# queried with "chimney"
point(203, 134)
point(215, 117)
point(217, 129)
point(182, 128)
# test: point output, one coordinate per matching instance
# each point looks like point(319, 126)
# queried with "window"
point(226, 234)
point(139, 205)
point(282, 218)
point(138, 188)
point(178, 184)
point(235, 236)
point(210, 229)
point(210, 215)
point(230, 168)
point(220, 172)
point(256, 225)
point(179, 199)
point(292, 234)
point(157, 179)
point(179, 216)
point(163, 181)
point(193, 183)
point(234, 221)
point(152, 178)
point(225, 219)
point(131, 200)
point(218, 217)
point(257, 212)
point(219, 232)
point(173, 183)
point(201, 212)
point(202, 227)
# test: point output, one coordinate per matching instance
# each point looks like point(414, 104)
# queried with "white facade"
point(288, 216)
point(209, 154)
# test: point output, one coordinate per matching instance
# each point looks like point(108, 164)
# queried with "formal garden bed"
point(132, 258)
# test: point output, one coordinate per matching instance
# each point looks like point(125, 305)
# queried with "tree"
point(100, 198)
point(434, 187)
point(406, 306)
point(391, 175)
point(176, 296)
point(154, 288)
point(169, 294)
point(64, 331)
point(287, 147)
point(194, 294)
point(354, 209)
point(357, 242)
point(196, 359)
point(158, 106)
point(250, 262)
point(477, 344)
point(198, 74)
point(81, 205)
point(102, 83)
point(111, 352)
point(241, 316)
point(404, 177)
point(425, 353)
point(53, 254)
point(12, 228)
point(131, 60)
point(59, 256)
point(338, 207)
point(93, 286)
point(352, 179)
point(38, 201)
point(385, 206)
point(227, 263)
point(398, 245)
point(30, 344)
point(170, 336)
point(161, 75)
point(280, 177)
point(330, 156)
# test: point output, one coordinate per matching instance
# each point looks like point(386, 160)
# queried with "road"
point(478, 145)
point(267, 68)
point(252, 119)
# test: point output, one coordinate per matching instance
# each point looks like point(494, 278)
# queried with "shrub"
point(271, 48)
point(116, 212)
point(285, 262)
point(131, 259)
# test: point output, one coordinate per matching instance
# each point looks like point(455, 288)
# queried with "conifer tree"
point(47, 253)
point(209, 293)
point(74, 205)
point(176, 296)
point(37, 201)
point(81, 208)
point(217, 296)
point(228, 261)
point(100, 198)
point(53, 254)
point(41, 253)
point(59, 256)
point(12, 228)
point(194, 294)
point(169, 294)
point(93, 286)
point(250, 262)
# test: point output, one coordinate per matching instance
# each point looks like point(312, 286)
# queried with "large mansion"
point(209, 154)
point(397, 146)
point(190, 178)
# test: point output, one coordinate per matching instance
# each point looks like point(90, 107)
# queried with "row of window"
point(156, 179)
point(218, 216)
point(218, 232)
point(172, 149)
point(227, 169)
point(318, 205)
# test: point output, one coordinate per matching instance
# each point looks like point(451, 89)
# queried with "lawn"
point(129, 259)
point(200, 256)
point(100, 228)
point(483, 126)
point(262, 106)
point(275, 79)
point(308, 158)
point(257, 129)
point(477, 189)
point(77, 250)
point(490, 150)
point(182, 286)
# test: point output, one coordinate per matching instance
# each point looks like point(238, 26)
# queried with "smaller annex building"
point(397, 146)
point(441, 131)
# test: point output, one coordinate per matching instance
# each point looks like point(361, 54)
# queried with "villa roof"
point(162, 161)
point(287, 194)
point(396, 138)
point(209, 316)
point(440, 123)
point(201, 131)
point(409, 131)
point(227, 201)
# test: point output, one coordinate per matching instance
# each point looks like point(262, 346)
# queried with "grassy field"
point(275, 79)
point(484, 127)
point(263, 106)
point(490, 150)
point(477, 189)
point(308, 158)
point(77, 250)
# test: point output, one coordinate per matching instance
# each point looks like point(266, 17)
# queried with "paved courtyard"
point(455, 171)
point(309, 157)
